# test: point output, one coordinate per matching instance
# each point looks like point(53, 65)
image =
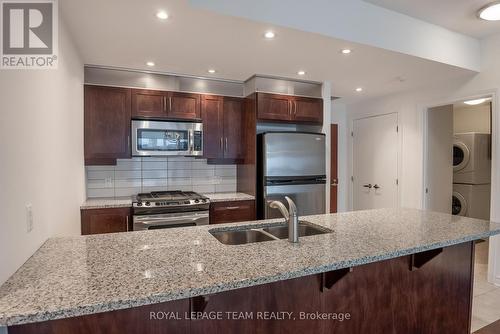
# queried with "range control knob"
point(139, 204)
point(148, 204)
point(197, 201)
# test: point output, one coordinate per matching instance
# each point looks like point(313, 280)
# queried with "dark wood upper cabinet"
point(149, 103)
point(212, 114)
point(106, 124)
point(288, 108)
point(184, 105)
point(97, 221)
point(308, 110)
point(273, 107)
point(159, 104)
point(233, 128)
point(222, 127)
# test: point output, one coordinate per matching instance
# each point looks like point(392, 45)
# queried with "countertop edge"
point(127, 203)
point(228, 286)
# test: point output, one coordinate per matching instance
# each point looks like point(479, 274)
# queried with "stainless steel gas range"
point(169, 209)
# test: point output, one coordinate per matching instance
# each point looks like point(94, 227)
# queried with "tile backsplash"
point(132, 176)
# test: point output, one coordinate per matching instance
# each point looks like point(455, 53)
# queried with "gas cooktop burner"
point(169, 195)
point(170, 199)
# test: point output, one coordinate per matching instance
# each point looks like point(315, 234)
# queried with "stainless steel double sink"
point(276, 232)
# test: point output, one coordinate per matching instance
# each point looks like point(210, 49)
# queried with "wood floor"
point(493, 328)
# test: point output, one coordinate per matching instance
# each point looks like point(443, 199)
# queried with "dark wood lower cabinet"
point(97, 221)
point(386, 297)
point(232, 212)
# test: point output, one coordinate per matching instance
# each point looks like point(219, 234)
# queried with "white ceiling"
point(456, 15)
point(126, 33)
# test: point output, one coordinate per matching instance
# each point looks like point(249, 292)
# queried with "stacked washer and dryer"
point(471, 175)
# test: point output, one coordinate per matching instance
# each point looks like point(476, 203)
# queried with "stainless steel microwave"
point(160, 138)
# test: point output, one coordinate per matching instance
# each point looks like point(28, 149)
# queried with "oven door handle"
point(151, 220)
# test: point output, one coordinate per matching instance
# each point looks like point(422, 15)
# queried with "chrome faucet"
point(291, 218)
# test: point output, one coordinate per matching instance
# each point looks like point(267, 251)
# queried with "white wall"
point(339, 117)
point(411, 106)
point(41, 150)
point(472, 118)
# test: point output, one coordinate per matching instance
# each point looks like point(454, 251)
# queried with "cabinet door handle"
point(170, 103)
point(232, 207)
point(221, 144)
point(369, 185)
point(128, 229)
point(376, 186)
point(294, 108)
point(225, 148)
point(164, 104)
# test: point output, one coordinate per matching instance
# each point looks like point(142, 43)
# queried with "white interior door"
point(375, 162)
point(439, 160)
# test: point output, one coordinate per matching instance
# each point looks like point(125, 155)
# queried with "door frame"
point(351, 149)
point(494, 251)
point(336, 151)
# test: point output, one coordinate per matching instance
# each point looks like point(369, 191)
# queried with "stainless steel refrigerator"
point(291, 164)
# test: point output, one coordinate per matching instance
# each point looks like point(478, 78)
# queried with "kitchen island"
point(378, 271)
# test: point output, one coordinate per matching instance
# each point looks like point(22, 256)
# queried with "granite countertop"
point(72, 276)
point(125, 202)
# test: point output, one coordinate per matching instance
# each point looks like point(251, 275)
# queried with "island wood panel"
point(290, 297)
point(106, 124)
point(386, 297)
point(129, 321)
point(109, 220)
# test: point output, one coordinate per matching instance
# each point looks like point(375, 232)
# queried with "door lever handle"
point(369, 185)
point(376, 186)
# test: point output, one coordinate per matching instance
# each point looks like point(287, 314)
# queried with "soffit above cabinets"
point(118, 77)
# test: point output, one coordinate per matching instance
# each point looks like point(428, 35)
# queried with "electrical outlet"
point(108, 182)
point(29, 218)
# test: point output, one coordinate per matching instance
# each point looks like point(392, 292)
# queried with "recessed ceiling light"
point(346, 51)
point(490, 12)
point(359, 89)
point(162, 15)
point(269, 34)
point(301, 72)
point(150, 63)
point(477, 101)
point(211, 71)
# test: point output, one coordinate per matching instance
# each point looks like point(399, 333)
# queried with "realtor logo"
point(29, 34)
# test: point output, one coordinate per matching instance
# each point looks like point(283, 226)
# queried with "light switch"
point(29, 218)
